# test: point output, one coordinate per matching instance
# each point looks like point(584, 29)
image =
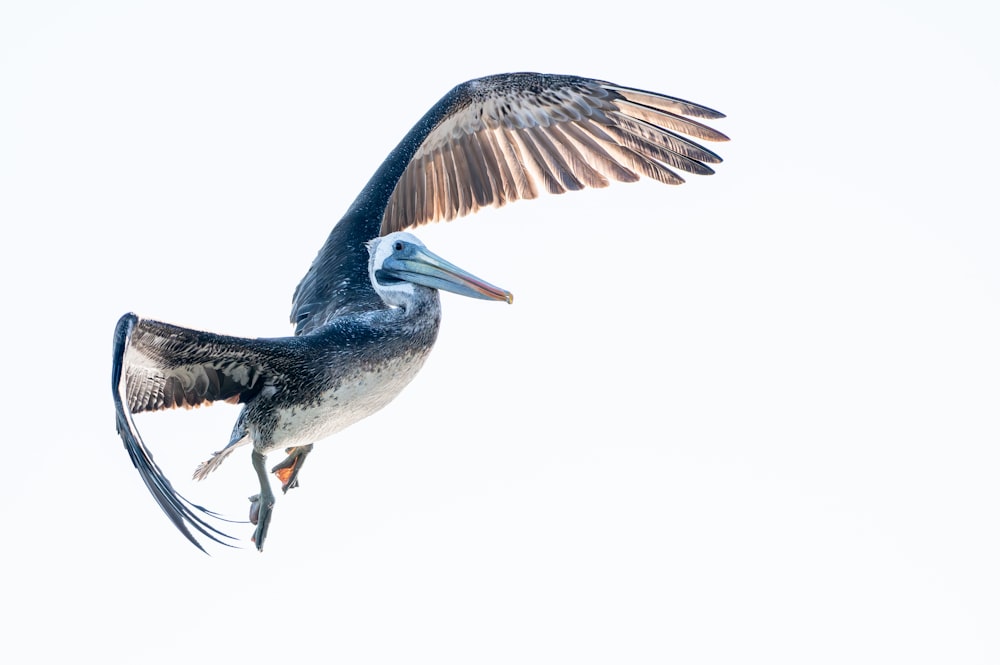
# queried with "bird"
point(367, 312)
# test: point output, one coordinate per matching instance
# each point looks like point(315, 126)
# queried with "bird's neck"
point(420, 311)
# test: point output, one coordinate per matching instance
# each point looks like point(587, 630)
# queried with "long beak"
point(421, 266)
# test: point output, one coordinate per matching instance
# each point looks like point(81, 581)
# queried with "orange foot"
point(287, 470)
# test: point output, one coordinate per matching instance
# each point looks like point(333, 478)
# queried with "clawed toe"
point(254, 508)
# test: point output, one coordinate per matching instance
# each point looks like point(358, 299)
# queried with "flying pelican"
point(366, 314)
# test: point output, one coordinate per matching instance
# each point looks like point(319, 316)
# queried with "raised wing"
point(498, 139)
point(514, 136)
point(160, 366)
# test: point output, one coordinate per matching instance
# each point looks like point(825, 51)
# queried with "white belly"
point(357, 397)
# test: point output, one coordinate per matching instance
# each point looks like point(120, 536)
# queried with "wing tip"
point(181, 512)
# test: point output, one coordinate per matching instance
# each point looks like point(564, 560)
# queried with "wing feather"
point(665, 102)
point(576, 159)
point(169, 367)
point(188, 517)
point(513, 135)
point(598, 155)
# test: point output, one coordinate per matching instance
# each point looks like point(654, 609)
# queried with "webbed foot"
point(260, 516)
point(288, 469)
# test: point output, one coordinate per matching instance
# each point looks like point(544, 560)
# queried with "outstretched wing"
point(498, 139)
point(161, 366)
point(167, 366)
point(514, 136)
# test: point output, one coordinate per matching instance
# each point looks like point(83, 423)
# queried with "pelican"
point(367, 312)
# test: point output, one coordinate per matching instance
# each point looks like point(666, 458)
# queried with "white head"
point(399, 266)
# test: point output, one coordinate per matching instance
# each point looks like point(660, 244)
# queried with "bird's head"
point(399, 263)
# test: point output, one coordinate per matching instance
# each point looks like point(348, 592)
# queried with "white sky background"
point(750, 419)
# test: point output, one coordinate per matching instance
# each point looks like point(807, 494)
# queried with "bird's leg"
point(261, 504)
point(287, 470)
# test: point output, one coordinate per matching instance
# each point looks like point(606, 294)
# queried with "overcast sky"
point(752, 419)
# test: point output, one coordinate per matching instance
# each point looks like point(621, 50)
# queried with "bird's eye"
point(398, 246)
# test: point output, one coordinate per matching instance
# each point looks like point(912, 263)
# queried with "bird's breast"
point(348, 397)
